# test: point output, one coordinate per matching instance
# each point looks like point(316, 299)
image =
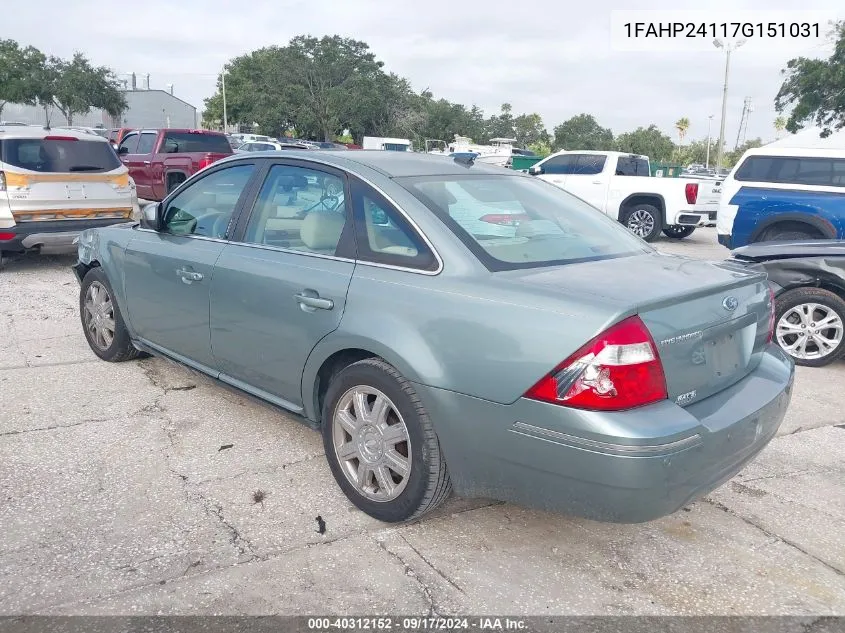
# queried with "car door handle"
point(146, 162)
point(189, 276)
point(313, 301)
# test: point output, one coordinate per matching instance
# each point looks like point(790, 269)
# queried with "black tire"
point(173, 181)
point(790, 231)
point(635, 220)
point(428, 483)
point(120, 348)
point(794, 298)
point(678, 231)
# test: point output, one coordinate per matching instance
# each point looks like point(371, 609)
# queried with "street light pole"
point(707, 160)
point(225, 116)
point(728, 48)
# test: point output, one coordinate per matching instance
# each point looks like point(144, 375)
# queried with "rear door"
point(168, 274)
point(281, 285)
point(588, 179)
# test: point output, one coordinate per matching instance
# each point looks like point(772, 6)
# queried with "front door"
point(168, 273)
point(588, 179)
point(557, 168)
point(280, 285)
point(143, 165)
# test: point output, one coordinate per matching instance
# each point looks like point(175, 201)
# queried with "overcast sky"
point(551, 57)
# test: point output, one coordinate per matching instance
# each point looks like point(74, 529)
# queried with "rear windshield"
point(50, 155)
point(187, 142)
point(512, 222)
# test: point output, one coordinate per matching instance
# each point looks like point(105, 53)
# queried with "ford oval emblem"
point(730, 303)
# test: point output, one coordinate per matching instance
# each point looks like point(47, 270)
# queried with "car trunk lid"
point(709, 321)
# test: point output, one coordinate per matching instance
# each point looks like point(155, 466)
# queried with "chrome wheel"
point(809, 331)
point(640, 223)
point(371, 443)
point(99, 316)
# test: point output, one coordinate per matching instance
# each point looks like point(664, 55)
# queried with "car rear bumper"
point(48, 235)
point(690, 218)
point(625, 467)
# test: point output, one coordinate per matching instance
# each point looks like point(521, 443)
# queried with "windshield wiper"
point(85, 168)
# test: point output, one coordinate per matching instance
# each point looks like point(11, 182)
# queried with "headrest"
point(321, 230)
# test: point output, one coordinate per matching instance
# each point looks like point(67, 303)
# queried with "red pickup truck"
point(159, 160)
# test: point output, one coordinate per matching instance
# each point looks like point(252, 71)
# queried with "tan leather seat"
point(321, 231)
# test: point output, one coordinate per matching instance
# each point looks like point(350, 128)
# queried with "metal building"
point(145, 109)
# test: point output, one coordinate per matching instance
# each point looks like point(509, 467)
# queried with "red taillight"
point(205, 161)
point(619, 369)
point(772, 311)
point(691, 190)
point(505, 219)
point(6, 236)
point(60, 138)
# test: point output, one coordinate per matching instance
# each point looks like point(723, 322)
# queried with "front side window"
point(147, 142)
point(512, 222)
point(205, 208)
point(559, 165)
point(129, 143)
point(383, 235)
point(301, 209)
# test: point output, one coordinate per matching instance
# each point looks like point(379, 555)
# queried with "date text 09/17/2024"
point(415, 623)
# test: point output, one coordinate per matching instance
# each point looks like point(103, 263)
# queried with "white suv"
point(56, 183)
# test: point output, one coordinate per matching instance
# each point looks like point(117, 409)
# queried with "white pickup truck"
point(620, 185)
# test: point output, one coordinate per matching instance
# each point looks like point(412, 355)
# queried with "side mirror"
point(151, 216)
point(535, 170)
point(122, 151)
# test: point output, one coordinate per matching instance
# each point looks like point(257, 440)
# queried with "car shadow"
point(34, 261)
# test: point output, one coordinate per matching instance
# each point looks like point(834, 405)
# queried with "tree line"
point(72, 86)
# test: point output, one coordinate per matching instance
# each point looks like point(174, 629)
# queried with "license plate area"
point(75, 191)
point(729, 353)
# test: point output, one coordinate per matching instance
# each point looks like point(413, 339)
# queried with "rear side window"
point(188, 142)
point(825, 172)
point(632, 166)
point(49, 155)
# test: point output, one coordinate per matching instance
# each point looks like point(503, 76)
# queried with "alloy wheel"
point(809, 331)
point(371, 443)
point(640, 223)
point(99, 316)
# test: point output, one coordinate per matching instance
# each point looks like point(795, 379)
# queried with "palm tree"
point(780, 126)
point(682, 125)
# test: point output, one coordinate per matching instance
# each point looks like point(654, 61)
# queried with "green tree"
point(682, 125)
point(730, 158)
point(815, 89)
point(648, 141)
point(696, 152)
point(500, 125)
point(582, 132)
point(19, 73)
point(77, 87)
point(529, 130)
point(780, 126)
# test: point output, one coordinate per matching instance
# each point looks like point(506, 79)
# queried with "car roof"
point(796, 152)
point(391, 164)
point(17, 131)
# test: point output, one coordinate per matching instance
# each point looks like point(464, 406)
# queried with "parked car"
point(620, 186)
point(161, 160)
point(808, 279)
point(56, 183)
point(574, 369)
point(270, 146)
point(782, 193)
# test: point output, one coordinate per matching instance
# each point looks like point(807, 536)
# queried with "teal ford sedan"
point(449, 326)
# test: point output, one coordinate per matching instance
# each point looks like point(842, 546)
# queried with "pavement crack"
point(302, 461)
point(51, 428)
point(721, 506)
point(433, 610)
point(430, 564)
point(214, 509)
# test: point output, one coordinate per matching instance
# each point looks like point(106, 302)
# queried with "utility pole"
point(707, 160)
point(728, 48)
point(225, 116)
